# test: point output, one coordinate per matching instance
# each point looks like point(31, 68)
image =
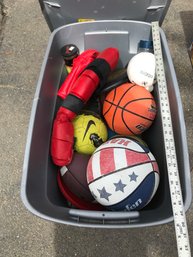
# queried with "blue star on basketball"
point(133, 177)
point(119, 186)
point(104, 194)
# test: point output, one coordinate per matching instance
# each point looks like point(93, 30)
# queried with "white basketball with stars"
point(123, 174)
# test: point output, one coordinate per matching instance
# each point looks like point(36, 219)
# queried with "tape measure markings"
point(180, 223)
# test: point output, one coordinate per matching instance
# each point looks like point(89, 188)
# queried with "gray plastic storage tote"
point(121, 24)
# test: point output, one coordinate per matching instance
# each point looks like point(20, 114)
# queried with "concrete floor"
point(23, 39)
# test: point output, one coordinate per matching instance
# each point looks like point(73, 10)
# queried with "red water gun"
point(94, 74)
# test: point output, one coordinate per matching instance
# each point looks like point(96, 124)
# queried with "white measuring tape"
point(182, 237)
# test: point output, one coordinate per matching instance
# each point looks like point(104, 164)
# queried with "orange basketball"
point(129, 109)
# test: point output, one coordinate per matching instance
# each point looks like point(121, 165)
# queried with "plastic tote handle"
point(106, 218)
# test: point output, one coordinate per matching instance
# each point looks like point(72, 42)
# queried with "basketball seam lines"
point(117, 105)
point(122, 108)
point(127, 125)
point(111, 105)
point(119, 147)
point(143, 98)
point(137, 164)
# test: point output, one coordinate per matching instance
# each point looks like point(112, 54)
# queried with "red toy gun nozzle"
point(111, 56)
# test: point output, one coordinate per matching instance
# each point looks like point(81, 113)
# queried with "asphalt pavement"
point(23, 40)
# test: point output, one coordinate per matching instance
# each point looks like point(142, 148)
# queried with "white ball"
point(141, 70)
